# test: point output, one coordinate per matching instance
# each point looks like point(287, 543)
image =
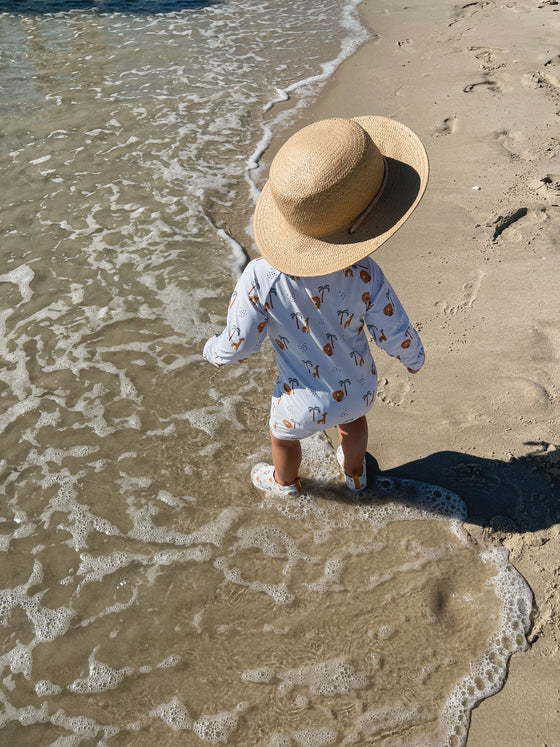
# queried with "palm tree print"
point(297, 315)
point(377, 334)
point(282, 342)
point(341, 313)
point(358, 357)
point(268, 304)
point(368, 398)
point(234, 331)
point(308, 365)
point(343, 383)
point(322, 289)
point(313, 410)
point(254, 296)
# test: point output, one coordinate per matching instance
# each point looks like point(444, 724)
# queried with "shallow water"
point(148, 593)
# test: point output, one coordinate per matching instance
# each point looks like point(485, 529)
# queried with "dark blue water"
point(137, 7)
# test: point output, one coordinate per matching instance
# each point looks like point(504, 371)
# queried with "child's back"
point(317, 325)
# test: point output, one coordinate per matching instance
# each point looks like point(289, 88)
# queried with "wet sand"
point(477, 269)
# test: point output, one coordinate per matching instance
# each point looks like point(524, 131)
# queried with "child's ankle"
point(283, 483)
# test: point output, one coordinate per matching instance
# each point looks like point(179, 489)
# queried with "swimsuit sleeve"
point(246, 324)
point(389, 325)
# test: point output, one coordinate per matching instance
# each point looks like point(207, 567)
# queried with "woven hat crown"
point(325, 175)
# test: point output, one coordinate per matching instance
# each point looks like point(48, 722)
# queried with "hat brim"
point(296, 253)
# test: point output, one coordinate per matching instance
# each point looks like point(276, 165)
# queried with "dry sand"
point(477, 267)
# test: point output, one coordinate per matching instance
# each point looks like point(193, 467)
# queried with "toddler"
point(337, 190)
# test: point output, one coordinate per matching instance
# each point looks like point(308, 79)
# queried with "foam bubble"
point(263, 675)
point(169, 662)
point(101, 677)
point(211, 417)
point(174, 714)
point(19, 660)
point(334, 677)
point(48, 624)
point(46, 687)
point(82, 726)
point(379, 721)
point(22, 277)
point(216, 727)
point(331, 577)
point(315, 737)
point(488, 672)
point(278, 592)
point(385, 632)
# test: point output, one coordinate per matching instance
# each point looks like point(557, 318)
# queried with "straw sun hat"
point(337, 190)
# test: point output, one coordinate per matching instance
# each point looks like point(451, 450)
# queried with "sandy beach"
point(478, 267)
point(149, 594)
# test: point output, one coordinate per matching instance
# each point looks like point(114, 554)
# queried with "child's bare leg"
point(286, 457)
point(353, 439)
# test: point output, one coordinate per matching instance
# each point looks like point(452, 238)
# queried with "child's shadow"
point(522, 495)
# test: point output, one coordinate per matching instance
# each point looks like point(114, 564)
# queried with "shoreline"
point(476, 267)
point(287, 110)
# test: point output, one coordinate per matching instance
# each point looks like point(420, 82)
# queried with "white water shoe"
point(262, 476)
point(355, 483)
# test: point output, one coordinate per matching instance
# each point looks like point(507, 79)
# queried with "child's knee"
point(354, 427)
point(284, 443)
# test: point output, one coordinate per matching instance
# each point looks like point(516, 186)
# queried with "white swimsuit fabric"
point(319, 329)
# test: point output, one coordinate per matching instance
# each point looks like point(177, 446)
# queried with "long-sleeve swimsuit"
point(317, 326)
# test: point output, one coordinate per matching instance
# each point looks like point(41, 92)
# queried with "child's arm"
point(246, 324)
point(389, 325)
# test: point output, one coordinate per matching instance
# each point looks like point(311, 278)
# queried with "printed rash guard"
point(317, 326)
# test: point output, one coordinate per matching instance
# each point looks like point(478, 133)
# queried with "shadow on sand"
point(132, 7)
point(522, 495)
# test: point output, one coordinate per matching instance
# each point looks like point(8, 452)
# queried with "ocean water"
point(148, 594)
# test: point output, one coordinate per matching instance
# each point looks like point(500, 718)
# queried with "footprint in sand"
point(511, 140)
point(488, 57)
point(519, 224)
point(552, 70)
point(447, 127)
point(488, 85)
point(470, 293)
point(407, 45)
point(507, 389)
point(393, 393)
point(462, 12)
point(548, 78)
